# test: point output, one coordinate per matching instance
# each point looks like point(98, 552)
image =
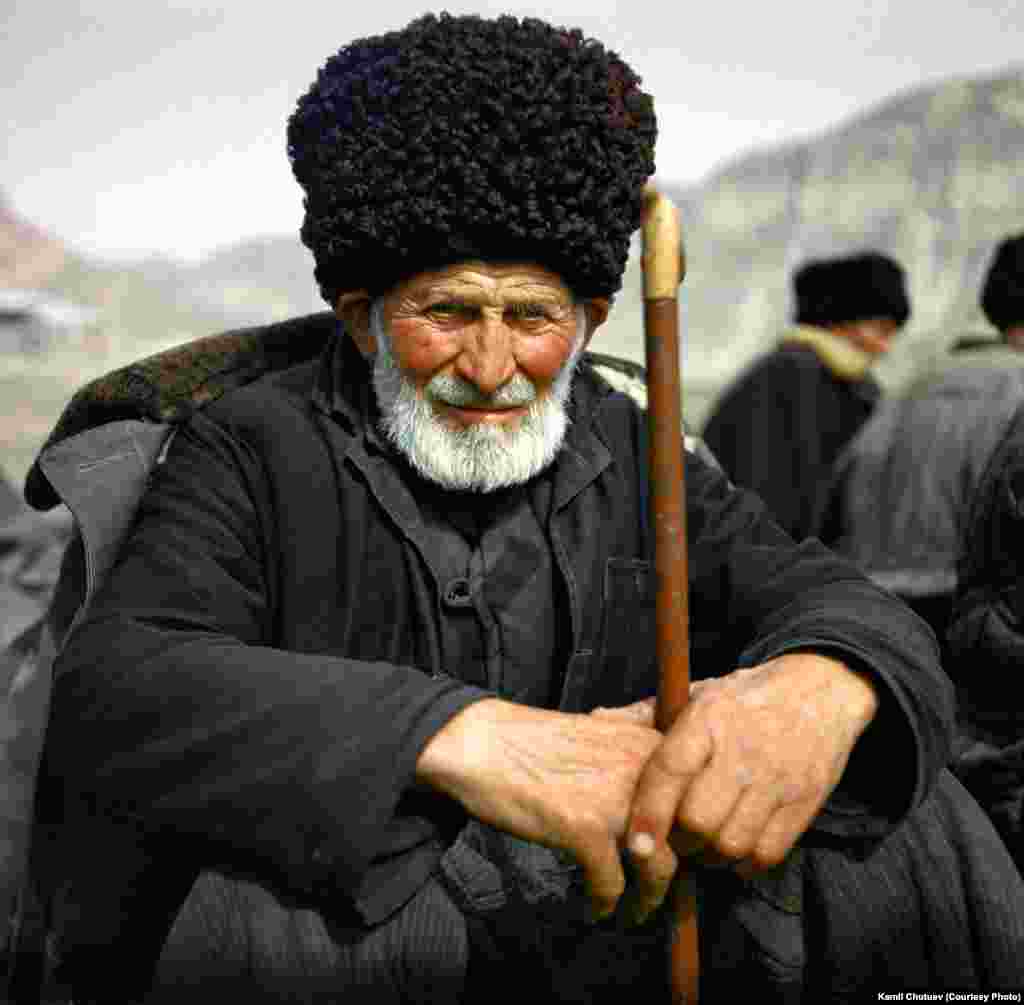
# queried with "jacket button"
point(320, 856)
point(458, 593)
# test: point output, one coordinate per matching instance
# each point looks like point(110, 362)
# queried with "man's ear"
point(353, 310)
point(597, 313)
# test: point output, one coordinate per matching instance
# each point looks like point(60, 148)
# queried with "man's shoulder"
point(258, 400)
point(265, 369)
point(779, 369)
point(604, 384)
point(787, 360)
point(173, 385)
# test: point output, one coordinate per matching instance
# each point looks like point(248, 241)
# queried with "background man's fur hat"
point(463, 137)
point(1002, 296)
point(855, 288)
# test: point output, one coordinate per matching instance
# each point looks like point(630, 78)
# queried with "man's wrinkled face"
point(473, 368)
point(873, 336)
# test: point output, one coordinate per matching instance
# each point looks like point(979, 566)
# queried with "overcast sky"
point(142, 125)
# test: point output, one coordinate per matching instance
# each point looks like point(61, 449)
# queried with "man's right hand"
point(565, 781)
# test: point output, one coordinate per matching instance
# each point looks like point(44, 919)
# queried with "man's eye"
point(529, 312)
point(450, 308)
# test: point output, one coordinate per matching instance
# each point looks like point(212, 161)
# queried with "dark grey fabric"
point(233, 938)
point(935, 906)
point(986, 641)
point(956, 924)
point(779, 428)
point(492, 562)
point(903, 484)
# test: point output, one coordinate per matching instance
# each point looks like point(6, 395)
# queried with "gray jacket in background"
point(902, 485)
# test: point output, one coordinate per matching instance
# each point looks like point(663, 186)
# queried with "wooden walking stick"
point(664, 268)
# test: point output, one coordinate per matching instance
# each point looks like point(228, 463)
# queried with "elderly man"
point(363, 708)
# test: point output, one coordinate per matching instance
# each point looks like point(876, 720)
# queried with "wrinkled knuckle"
point(768, 856)
point(589, 825)
point(733, 845)
point(802, 788)
point(820, 780)
point(771, 849)
point(685, 755)
point(697, 821)
point(579, 824)
point(643, 745)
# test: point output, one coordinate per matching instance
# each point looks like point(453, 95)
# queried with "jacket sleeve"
point(754, 583)
point(173, 710)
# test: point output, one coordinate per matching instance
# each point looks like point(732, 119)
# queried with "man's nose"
point(487, 357)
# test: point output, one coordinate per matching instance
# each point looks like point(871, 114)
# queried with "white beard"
point(484, 456)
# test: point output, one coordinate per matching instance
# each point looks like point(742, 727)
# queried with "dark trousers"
point(234, 941)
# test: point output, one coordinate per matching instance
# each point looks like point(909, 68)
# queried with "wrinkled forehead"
point(487, 282)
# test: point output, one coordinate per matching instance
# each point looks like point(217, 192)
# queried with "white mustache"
point(461, 393)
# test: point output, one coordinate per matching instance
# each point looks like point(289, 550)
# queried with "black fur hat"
point(1002, 296)
point(464, 137)
point(855, 288)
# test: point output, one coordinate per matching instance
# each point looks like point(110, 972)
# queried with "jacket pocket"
point(626, 666)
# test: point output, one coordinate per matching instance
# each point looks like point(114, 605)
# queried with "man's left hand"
point(746, 768)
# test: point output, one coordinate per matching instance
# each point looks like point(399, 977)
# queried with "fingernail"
point(642, 845)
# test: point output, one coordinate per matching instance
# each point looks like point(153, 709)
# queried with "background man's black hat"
point(1002, 295)
point(854, 288)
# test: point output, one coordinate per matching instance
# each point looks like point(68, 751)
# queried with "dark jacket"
point(903, 483)
point(902, 486)
point(986, 640)
point(256, 678)
point(779, 428)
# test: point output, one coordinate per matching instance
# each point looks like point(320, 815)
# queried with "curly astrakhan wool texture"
point(835, 291)
point(463, 137)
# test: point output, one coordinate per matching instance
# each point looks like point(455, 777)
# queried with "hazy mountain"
point(934, 177)
point(259, 279)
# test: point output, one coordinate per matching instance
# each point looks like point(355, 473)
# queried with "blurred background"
point(146, 199)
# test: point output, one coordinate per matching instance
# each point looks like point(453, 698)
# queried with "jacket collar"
point(839, 355)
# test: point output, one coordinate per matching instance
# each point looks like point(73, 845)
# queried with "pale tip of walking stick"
point(664, 261)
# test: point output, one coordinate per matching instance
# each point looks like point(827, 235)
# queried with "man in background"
point(780, 427)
